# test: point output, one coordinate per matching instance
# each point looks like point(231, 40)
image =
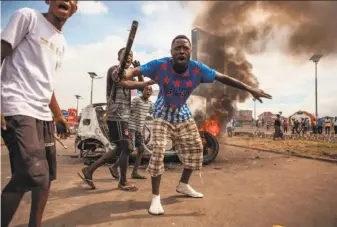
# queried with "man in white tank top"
point(32, 48)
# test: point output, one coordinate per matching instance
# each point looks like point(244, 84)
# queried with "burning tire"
point(211, 147)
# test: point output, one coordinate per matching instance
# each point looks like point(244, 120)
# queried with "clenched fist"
point(115, 75)
point(135, 63)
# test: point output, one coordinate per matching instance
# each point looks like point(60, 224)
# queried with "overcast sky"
point(100, 29)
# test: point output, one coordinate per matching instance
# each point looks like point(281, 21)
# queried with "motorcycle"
point(92, 139)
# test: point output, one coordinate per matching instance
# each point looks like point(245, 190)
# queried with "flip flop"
point(114, 173)
point(128, 188)
point(137, 176)
point(87, 181)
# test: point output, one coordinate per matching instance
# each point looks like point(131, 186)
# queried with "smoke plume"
point(236, 28)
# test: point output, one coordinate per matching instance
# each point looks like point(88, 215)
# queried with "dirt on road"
point(242, 188)
point(304, 147)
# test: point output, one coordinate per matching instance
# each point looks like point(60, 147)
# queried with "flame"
point(212, 126)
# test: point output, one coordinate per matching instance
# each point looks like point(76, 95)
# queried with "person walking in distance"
point(32, 49)
point(177, 77)
point(314, 125)
point(327, 125)
point(320, 126)
point(118, 116)
point(277, 126)
point(285, 126)
point(141, 107)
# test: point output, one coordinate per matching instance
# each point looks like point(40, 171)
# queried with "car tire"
point(212, 144)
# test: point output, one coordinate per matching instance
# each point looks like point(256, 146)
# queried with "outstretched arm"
point(231, 81)
point(148, 70)
point(130, 84)
point(131, 73)
point(256, 93)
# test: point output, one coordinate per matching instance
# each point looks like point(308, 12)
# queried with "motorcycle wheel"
point(210, 147)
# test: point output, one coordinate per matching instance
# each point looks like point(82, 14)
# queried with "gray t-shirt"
point(120, 109)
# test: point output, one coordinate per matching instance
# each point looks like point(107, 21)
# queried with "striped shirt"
point(175, 88)
point(161, 110)
point(120, 109)
point(140, 108)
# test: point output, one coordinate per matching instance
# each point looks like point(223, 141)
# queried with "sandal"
point(114, 172)
point(127, 187)
point(86, 180)
point(137, 176)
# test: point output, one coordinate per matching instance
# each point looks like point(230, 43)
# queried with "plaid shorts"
point(186, 139)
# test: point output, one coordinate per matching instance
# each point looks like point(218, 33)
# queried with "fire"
point(212, 126)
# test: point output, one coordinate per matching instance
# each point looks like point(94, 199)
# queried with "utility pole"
point(315, 58)
point(93, 76)
point(77, 99)
point(254, 109)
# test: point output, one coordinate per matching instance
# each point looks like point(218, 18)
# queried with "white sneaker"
point(186, 189)
point(156, 207)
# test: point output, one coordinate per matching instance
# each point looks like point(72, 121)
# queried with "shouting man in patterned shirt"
point(177, 77)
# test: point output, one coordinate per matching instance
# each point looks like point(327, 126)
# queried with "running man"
point(177, 77)
point(118, 116)
point(32, 47)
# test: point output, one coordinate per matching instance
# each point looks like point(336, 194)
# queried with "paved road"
point(242, 188)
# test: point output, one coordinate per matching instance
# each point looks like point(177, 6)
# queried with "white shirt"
point(27, 76)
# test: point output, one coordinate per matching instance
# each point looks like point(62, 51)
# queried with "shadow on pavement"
point(98, 213)
point(77, 192)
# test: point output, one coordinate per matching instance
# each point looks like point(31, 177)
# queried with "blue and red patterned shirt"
point(175, 88)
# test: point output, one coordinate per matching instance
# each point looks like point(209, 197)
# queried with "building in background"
point(267, 117)
point(214, 56)
point(244, 116)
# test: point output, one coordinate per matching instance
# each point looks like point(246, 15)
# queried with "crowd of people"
point(32, 49)
point(321, 126)
point(325, 126)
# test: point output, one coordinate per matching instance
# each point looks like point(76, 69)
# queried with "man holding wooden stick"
point(118, 113)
